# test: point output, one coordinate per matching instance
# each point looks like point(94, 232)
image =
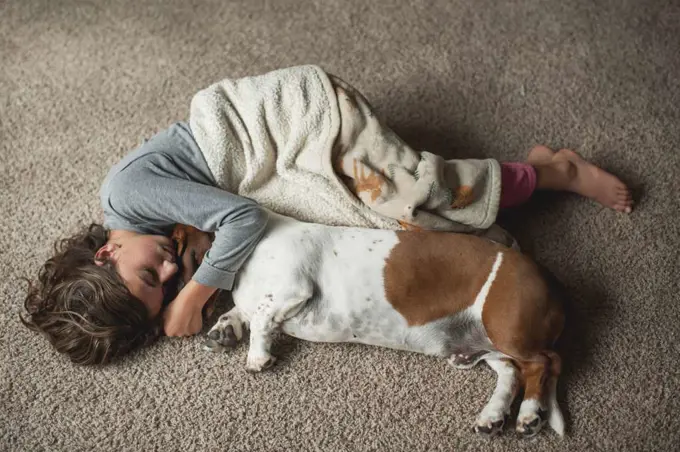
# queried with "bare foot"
point(540, 155)
point(595, 183)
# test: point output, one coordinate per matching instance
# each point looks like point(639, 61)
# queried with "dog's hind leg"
point(267, 317)
point(540, 381)
point(492, 418)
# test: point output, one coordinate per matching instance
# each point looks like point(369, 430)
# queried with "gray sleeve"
point(156, 202)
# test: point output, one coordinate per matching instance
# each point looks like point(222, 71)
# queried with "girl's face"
point(145, 263)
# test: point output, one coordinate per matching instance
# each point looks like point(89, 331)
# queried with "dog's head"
point(191, 245)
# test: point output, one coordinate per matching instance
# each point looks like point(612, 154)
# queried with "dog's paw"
point(223, 335)
point(210, 345)
point(531, 418)
point(226, 333)
point(258, 363)
point(489, 425)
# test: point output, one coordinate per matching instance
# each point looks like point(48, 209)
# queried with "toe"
point(214, 335)
point(489, 425)
point(484, 430)
point(269, 363)
point(624, 205)
point(259, 363)
point(229, 338)
point(489, 428)
point(212, 346)
point(530, 425)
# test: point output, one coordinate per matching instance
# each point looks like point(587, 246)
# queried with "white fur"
point(529, 413)
point(555, 418)
point(476, 309)
point(498, 406)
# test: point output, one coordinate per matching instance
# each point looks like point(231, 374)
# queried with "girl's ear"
point(105, 254)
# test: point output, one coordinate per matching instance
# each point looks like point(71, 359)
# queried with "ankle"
point(556, 175)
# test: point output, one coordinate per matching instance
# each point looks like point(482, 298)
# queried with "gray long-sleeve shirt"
point(166, 181)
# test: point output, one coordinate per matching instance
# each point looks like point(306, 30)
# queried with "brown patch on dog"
point(371, 182)
point(520, 316)
point(464, 196)
point(409, 227)
point(182, 234)
point(534, 375)
point(431, 275)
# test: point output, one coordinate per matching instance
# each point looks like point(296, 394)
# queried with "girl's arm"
point(184, 315)
point(148, 199)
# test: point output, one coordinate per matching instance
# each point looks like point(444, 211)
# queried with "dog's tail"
point(558, 293)
point(555, 418)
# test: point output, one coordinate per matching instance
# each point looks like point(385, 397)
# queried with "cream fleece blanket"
point(307, 145)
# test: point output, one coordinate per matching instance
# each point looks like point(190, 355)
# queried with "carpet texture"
point(82, 82)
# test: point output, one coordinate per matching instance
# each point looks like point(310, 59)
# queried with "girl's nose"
point(168, 269)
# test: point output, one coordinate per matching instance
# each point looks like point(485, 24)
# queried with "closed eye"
point(150, 277)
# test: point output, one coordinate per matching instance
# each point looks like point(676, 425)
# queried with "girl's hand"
point(183, 316)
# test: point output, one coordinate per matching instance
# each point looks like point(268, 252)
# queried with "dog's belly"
point(372, 325)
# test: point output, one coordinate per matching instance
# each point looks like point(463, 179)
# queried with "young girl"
point(296, 141)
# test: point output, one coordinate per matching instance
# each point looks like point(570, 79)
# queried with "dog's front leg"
point(264, 322)
point(262, 326)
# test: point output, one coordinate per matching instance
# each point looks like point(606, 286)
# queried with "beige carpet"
point(83, 82)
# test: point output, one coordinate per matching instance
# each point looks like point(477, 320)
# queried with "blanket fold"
point(306, 144)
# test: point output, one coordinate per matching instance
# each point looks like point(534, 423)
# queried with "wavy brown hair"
point(85, 310)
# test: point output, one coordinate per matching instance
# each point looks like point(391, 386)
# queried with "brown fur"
point(534, 376)
point(519, 315)
point(409, 227)
point(430, 275)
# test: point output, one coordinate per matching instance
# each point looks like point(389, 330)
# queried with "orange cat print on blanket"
point(371, 182)
point(464, 196)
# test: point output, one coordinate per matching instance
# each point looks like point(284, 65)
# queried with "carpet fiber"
point(83, 82)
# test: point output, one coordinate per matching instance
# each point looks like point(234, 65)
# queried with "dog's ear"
point(179, 236)
point(182, 236)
